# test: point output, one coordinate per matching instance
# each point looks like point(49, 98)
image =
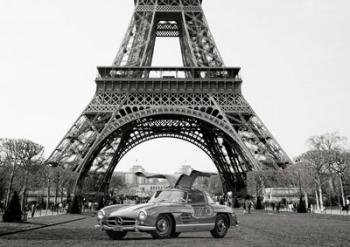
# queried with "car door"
point(203, 217)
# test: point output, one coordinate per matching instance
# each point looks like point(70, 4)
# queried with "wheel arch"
point(174, 222)
point(228, 216)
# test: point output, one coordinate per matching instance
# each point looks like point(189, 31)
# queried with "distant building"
point(129, 178)
point(121, 175)
point(277, 194)
point(147, 187)
point(41, 196)
point(150, 188)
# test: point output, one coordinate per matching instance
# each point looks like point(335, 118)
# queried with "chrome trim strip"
point(203, 224)
point(127, 228)
point(146, 228)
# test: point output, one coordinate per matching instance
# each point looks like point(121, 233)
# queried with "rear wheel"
point(116, 235)
point(164, 227)
point(221, 226)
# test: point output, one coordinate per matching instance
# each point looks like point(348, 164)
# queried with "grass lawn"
point(256, 229)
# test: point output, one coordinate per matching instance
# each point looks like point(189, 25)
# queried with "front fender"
point(222, 209)
point(175, 210)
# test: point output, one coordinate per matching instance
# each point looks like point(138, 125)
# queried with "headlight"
point(100, 214)
point(142, 215)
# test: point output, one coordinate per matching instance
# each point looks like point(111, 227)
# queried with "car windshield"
point(210, 200)
point(169, 196)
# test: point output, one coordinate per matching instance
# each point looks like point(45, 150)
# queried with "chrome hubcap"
point(221, 226)
point(162, 225)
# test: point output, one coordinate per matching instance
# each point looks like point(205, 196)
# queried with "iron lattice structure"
point(200, 102)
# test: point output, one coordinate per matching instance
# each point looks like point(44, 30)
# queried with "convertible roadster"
point(169, 212)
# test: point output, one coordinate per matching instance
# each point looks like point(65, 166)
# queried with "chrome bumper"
point(135, 228)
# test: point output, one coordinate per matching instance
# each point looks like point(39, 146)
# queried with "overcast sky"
point(294, 54)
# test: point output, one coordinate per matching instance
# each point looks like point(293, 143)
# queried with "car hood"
point(131, 210)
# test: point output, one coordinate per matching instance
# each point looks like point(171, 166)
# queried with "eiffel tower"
point(201, 103)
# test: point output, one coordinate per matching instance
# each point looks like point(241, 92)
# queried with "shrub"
point(13, 212)
point(301, 207)
point(236, 203)
point(259, 204)
point(101, 203)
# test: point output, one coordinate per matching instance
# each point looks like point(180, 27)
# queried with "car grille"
point(120, 221)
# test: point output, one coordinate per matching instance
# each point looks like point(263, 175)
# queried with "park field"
point(256, 229)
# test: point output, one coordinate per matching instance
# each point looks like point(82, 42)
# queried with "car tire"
point(116, 235)
point(222, 225)
point(164, 227)
point(175, 234)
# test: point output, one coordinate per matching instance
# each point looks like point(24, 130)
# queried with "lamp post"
point(299, 181)
point(301, 206)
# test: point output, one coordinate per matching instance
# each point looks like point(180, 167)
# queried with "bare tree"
point(332, 148)
point(19, 154)
point(3, 182)
point(47, 177)
point(29, 154)
point(340, 165)
point(318, 162)
point(301, 176)
point(327, 142)
point(9, 159)
point(63, 179)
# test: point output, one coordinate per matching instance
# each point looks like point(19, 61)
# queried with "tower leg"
point(77, 202)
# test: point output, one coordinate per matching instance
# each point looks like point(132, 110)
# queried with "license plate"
point(118, 229)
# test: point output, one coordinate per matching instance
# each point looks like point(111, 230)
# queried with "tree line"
point(323, 170)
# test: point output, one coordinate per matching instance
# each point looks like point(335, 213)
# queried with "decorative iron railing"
point(168, 73)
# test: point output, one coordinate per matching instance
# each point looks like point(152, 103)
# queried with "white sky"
point(294, 54)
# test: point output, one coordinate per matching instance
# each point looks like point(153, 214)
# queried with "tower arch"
point(200, 132)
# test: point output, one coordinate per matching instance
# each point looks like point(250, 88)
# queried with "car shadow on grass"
point(91, 235)
point(184, 236)
point(144, 238)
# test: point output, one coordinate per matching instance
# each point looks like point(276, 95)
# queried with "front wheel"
point(116, 235)
point(221, 226)
point(164, 227)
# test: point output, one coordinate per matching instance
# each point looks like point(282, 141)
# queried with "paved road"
point(257, 229)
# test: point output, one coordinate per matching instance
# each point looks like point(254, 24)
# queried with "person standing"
point(278, 207)
point(244, 206)
point(222, 201)
point(33, 209)
point(2, 207)
point(248, 205)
